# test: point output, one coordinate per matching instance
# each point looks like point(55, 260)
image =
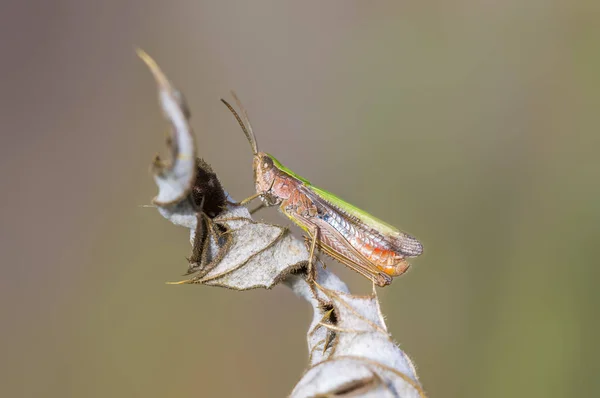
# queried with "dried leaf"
point(176, 177)
point(260, 254)
point(361, 347)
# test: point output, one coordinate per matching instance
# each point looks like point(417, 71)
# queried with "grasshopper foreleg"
point(251, 198)
point(247, 200)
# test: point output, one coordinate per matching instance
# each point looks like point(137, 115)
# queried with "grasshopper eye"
point(267, 163)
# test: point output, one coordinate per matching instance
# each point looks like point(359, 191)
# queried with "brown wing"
point(402, 243)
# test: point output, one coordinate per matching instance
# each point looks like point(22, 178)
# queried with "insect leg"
point(314, 231)
point(251, 198)
point(309, 227)
point(262, 205)
point(247, 200)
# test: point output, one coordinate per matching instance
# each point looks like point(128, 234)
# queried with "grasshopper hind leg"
point(379, 278)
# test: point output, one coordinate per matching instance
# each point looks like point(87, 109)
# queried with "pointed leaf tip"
point(159, 76)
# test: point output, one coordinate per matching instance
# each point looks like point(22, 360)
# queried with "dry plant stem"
point(350, 351)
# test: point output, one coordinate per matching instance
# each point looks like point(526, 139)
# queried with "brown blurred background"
point(473, 125)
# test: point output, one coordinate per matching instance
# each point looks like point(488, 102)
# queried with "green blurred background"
point(474, 125)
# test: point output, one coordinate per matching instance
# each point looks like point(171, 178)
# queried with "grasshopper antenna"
point(243, 123)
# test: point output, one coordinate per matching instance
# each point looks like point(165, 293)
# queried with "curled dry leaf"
point(350, 350)
point(354, 354)
point(175, 177)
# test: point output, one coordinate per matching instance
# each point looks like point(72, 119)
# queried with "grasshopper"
point(369, 246)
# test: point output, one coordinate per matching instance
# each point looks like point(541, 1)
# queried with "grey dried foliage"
point(242, 246)
point(351, 353)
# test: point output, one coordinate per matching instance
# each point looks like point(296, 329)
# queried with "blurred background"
point(471, 124)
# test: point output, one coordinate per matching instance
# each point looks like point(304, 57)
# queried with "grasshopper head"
point(264, 172)
point(263, 164)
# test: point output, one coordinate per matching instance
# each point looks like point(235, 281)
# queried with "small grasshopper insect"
point(369, 246)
